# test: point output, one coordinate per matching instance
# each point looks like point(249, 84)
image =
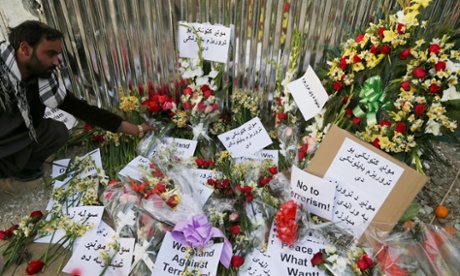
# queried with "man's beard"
point(36, 68)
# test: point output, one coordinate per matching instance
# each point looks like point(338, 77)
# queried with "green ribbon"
point(372, 99)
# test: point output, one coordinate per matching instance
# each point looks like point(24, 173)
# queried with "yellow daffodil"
point(389, 36)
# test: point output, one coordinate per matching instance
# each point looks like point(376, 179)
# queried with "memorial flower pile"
point(395, 85)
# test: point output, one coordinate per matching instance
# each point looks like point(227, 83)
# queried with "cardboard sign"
point(173, 256)
point(308, 93)
point(246, 139)
point(61, 116)
point(215, 41)
point(396, 183)
point(313, 193)
point(87, 260)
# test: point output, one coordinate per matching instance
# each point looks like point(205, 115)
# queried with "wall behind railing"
point(109, 43)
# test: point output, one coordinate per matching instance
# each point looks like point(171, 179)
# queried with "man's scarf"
point(52, 90)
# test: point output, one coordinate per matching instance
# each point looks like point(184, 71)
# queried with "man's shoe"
point(28, 174)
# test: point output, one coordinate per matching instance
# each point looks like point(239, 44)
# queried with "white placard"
point(246, 139)
point(308, 93)
point(134, 169)
point(261, 155)
point(88, 215)
point(59, 167)
point(364, 181)
point(313, 193)
point(184, 148)
point(105, 230)
point(202, 177)
point(215, 41)
point(292, 259)
point(256, 264)
point(61, 116)
point(86, 260)
point(172, 258)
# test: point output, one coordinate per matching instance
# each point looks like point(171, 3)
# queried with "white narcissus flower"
point(213, 73)
point(433, 128)
point(204, 80)
point(450, 94)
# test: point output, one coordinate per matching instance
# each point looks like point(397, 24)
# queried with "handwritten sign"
point(172, 258)
point(202, 177)
point(261, 155)
point(246, 139)
point(61, 116)
point(87, 215)
point(105, 230)
point(256, 264)
point(364, 180)
point(292, 259)
point(313, 193)
point(308, 93)
point(87, 259)
point(134, 169)
point(215, 41)
point(184, 148)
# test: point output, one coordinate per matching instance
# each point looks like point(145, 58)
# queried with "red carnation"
point(235, 229)
point(374, 49)
point(385, 123)
point(376, 143)
point(385, 49)
point(434, 48)
point(400, 28)
point(337, 86)
point(381, 30)
point(419, 72)
point(434, 88)
point(343, 63)
point(273, 170)
point(356, 120)
point(400, 127)
point(419, 109)
point(364, 263)
point(405, 85)
point(359, 38)
point(34, 267)
point(404, 54)
point(37, 215)
point(440, 66)
point(237, 261)
point(356, 59)
point(317, 259)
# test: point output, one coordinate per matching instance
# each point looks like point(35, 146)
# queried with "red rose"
point(37, 215)
point(237, 261)
point(404, 54)
point(381, 30)
point(337, 86)
point(368, 260)
point(263, 181)
point(374, 49)
point(88, 127)
point(440, 66)
point(150, 87)
point(345, 100)
point(154, 107)
point(359, 38)
point(434, 48)
point(301, 155)
point(273, 170)
point(201, 106)
point(281, 116)
point(34, 267)
point(400, 28)
point(419, 109)
point(249, 198)
point(188, 91)
point(343, 63)
point(199, 162)
point(362, 264)
point(204, 87)
point(376, 142)
point(286, 7)
point(356, 120)
point(385, 49)
point(419, 72)
point(405, 85)
point(4, 235)
point(400, 127)
point(434, 88)
point(385, 123)
point(235, 229)
point(317, 259)
point(187, 105)
point(356, 59)
point(349, 111)
point(207, 93)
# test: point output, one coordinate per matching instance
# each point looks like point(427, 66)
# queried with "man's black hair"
point(32, 32)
